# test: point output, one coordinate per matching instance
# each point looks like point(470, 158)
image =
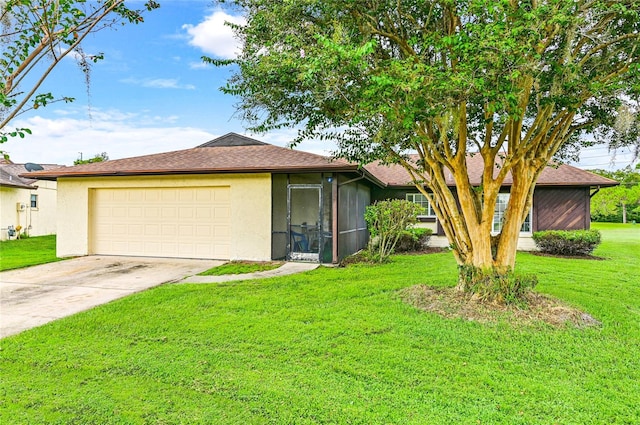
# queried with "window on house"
point(34, 201)
point(420, 199)
point(498, 215)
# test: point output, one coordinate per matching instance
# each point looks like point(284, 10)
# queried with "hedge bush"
point(567, 242)
point(414, 239)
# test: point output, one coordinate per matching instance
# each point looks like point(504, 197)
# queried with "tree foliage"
point(99, 157)
point(515, 82)
point(37, 35)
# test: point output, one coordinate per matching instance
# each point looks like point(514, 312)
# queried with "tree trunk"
point(624, 213)
point(488, 260)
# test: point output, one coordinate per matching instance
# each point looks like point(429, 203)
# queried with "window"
point(34, 201)
point(420, 199)
point(498, 215)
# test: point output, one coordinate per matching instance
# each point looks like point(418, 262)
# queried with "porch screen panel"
point(352, 201)
point(347, 241)
point(326, 252)
point(364, 199)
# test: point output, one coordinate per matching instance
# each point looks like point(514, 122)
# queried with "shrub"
point(413, 239)
point(387, 220)
point(361, 257)
point(567, 242)
point(504, 288)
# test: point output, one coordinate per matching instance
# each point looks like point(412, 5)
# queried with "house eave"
point(559, 184)
point(18, 186)
point(162, 172)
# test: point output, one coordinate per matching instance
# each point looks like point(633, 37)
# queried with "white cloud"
point(167, 83)
point(199, 65)
point(121, 135)
point(59, 138)
point(159, 83)
point(215, 38)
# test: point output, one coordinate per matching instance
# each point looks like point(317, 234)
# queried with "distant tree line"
point(619, 204)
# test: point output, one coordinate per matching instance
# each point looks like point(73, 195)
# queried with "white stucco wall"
point(35, 221)
point(433, 226)
point(525, 242)
point(250, 209)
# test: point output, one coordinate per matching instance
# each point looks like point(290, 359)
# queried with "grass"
point(18, 253)
point(240, 267)
point(337, 346)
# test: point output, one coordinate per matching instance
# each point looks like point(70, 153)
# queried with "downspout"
point(587, 224)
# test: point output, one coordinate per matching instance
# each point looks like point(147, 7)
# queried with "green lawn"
point(240, 267)
point(337, 346)
point(27, 252)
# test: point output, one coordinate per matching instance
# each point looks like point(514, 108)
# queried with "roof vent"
point(231, 139)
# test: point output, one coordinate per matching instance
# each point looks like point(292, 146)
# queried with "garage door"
point(162, 222)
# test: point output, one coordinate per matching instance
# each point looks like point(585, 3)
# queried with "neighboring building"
point(25, 202)
point(239, 198)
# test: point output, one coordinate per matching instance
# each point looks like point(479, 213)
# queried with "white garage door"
point(162, 222)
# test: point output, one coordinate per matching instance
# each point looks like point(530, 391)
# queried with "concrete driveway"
point(37, 295)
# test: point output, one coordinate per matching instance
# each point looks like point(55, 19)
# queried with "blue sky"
point(152, 93)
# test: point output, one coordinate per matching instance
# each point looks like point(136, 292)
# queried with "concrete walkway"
point(33, 296)
point(285, 269)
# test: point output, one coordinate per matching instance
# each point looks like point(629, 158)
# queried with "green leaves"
point(19, 132)
point(387, 221)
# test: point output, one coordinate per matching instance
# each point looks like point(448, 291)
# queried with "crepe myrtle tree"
point(515, 82)
point(37, 35)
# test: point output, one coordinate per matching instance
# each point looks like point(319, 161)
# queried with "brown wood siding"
point(561, 208)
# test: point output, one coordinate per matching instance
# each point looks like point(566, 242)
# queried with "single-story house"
point(561, 199)
point(26, 203)
point(241, 199)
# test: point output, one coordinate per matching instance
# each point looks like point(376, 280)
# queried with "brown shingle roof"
point(250, 158)
point(10, 175)
point(561, 175)
point(233, 153)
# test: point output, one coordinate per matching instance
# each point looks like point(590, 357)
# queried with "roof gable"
point(231, 139)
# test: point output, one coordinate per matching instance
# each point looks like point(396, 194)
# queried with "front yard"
point(338, 346)
point(27, 252)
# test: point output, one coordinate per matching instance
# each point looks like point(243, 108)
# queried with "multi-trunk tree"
point(515, 82)
point(37, 35)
